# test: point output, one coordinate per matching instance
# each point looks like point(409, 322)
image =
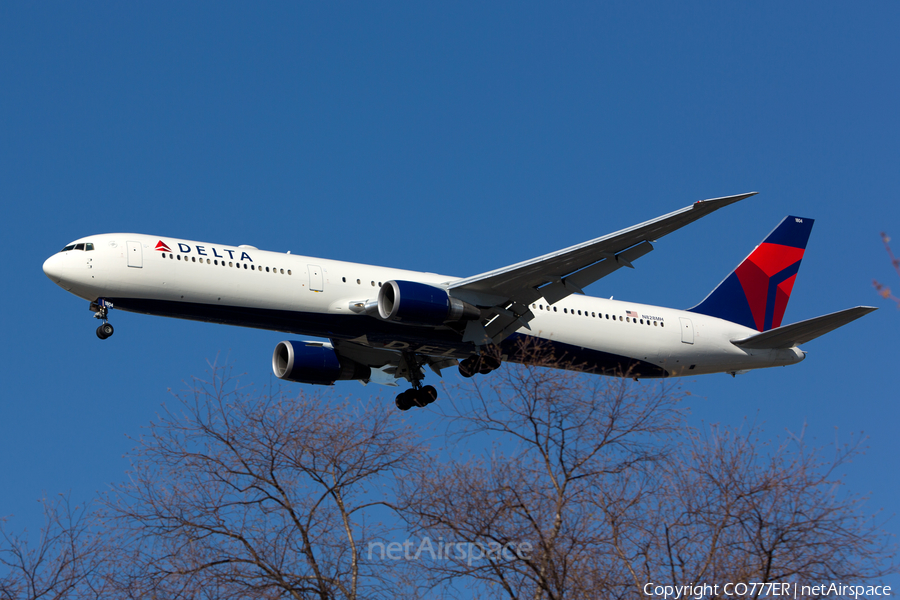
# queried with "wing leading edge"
point(506, 293)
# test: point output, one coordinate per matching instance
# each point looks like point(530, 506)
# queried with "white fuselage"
point(314, 296)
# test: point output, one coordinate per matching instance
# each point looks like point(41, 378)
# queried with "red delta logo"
point(161, 246)
point(767, 277)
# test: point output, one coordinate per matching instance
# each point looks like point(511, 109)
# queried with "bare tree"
point(568, 486)
point(63, 561)
point(882, 289)
point(596, 487)
point(519, 517)
point(235, 494)
point(727, 506)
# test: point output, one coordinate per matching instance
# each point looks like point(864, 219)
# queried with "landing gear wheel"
point(412, 397)
point(491, 362)
point(468, 368)
point(429, 394)
point(479, 364)
point(403, 400)
point(104, 331)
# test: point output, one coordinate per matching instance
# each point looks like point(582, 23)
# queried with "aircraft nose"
point(53, 268)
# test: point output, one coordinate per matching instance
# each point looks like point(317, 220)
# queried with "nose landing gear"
point(104, 331)
point(101, 310)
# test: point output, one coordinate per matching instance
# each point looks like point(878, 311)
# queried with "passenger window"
point(344, 279)
point(267, 269)
point(193, 259)
point(358, 282)
point(230, 264)
point(566, 310)
point(554, 309)
point(282, 271)
point(654, 323)
point(179, 257)
point(245, 266)
point(662, 324)
point(289, 271)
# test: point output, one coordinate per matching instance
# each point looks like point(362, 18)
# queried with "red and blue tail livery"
point(756, 293)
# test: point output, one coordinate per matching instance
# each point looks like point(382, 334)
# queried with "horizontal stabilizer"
point(804, 331)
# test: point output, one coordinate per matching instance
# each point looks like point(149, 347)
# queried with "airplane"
point(384, 325)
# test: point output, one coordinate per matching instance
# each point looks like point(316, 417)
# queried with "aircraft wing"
point(506, 293)
point(787, 336)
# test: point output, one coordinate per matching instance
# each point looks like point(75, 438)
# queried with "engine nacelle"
point(308, 362)
point(421, 304)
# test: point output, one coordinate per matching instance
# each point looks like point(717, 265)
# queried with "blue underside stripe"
point(348, 327)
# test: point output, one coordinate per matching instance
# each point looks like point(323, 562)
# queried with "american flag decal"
point(631, 313)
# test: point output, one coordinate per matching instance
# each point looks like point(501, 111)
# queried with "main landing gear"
point(410, 367)
point(418, 395)
point(101, 310)
point(483, 363)
point(421, 397)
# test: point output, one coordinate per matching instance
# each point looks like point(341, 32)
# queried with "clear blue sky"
point(452, 139)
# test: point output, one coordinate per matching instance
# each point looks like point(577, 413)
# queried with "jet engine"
point(421, 304)
point(314, 362)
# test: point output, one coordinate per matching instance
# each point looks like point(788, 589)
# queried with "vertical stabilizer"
point(756, 293)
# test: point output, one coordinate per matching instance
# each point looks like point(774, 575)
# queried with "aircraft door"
point(687, 330)
point(135, 254)
point(316, 278)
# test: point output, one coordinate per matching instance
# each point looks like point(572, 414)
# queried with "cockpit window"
point(85, 246)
